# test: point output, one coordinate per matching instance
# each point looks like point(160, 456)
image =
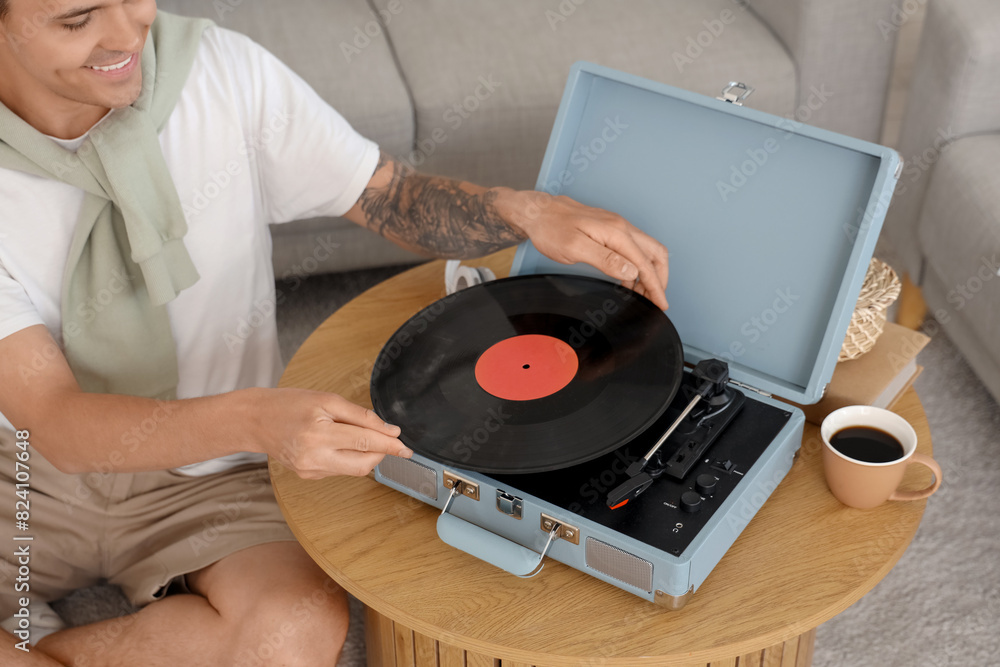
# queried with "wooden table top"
point(802, 559)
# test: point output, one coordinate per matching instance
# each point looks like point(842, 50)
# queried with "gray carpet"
point(940, 606)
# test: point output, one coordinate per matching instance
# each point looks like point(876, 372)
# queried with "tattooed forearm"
point(434, 215)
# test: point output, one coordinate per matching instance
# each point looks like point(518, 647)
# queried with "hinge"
point(746, 386)
point(735, 93)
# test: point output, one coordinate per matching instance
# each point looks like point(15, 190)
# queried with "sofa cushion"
point(487, 77)
point(959, 233)
point(317, 41)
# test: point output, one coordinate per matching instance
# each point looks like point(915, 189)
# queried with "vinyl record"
point(528, 374)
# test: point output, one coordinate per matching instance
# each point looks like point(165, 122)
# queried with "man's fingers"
point(657, 254)
point(620, 257)
point(348, 437)
point(345, 412)
point(651, 259)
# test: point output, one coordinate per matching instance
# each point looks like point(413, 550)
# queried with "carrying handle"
point(490, 547)
point(923, 493)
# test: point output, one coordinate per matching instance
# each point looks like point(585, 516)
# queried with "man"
point(140, 428)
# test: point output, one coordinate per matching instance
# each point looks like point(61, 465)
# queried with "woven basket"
point(880, 289)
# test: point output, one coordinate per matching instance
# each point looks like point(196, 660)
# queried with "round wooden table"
point(802, 559)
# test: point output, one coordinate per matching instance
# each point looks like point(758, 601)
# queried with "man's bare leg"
point(266, 605)
point(9, 655)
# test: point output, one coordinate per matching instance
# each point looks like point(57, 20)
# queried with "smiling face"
point(65, 63)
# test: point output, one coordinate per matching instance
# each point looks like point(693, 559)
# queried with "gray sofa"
point(943, 228)
point(470, 88)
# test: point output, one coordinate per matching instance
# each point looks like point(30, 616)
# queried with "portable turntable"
point(551, 412)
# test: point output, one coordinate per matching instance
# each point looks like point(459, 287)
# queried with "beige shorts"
point(141, 531)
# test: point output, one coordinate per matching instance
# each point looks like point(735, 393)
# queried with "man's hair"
point(3, 9)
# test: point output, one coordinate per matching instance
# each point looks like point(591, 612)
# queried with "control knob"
point(690, 502)
point(705, 484)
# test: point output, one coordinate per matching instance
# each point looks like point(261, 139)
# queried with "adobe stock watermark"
point(454, 116)
point(594, 320)
point(86, 312)
point(470, 443)
point(594, 490)
point(223, 7)
point(229, 511)
point(751, 502)
point(901, 13)
point(566, 8)
point(74, 159)
point(373, 29)
point(264, 310)
point(131, 439)
point(695, 45)
point(963, 292)
point(741, 174)
point(585, 154)
point(220, 179)
point(39, 20)
point(756, 326)
point(216, 526)
point(985, 271)
point(405, 508)
point(866, 218)
point(277, 643)
point(405, 336)
point(917, 165)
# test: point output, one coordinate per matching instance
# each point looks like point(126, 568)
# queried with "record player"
point(556, 414)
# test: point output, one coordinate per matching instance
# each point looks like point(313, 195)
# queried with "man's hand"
point(318, 434)
point(448, 218)
point(568, 232)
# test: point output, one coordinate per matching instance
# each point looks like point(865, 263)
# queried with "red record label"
point(527, 367)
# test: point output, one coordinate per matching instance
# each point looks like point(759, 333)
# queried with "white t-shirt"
point(248, 144)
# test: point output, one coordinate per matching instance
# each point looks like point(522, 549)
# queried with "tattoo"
point(434, 215)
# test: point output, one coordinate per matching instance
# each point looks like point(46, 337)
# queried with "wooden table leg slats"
point(402, 639)
point(480, 660)
point(394, 645)
point(806, 644)
point(425, 651)
point(449, 656)
point(379, 638)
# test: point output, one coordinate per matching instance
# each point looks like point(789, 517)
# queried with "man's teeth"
point(111, 68)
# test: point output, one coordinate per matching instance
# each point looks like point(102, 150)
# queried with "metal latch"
point(735, 93)
point(509, 504)
point(749, 388)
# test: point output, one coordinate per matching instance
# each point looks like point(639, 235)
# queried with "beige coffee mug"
point(862, 484)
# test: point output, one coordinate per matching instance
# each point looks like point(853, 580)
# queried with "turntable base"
point(803, 558)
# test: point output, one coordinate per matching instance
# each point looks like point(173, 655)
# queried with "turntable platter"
point(528, 374)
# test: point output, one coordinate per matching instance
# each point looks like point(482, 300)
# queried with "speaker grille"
point(412, 475)
point(619, 564)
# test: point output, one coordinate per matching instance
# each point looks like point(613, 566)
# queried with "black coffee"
point(864, 443)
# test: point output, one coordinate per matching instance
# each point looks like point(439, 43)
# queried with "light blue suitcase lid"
point(770, 223)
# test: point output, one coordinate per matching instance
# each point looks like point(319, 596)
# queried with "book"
point(878, 377)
